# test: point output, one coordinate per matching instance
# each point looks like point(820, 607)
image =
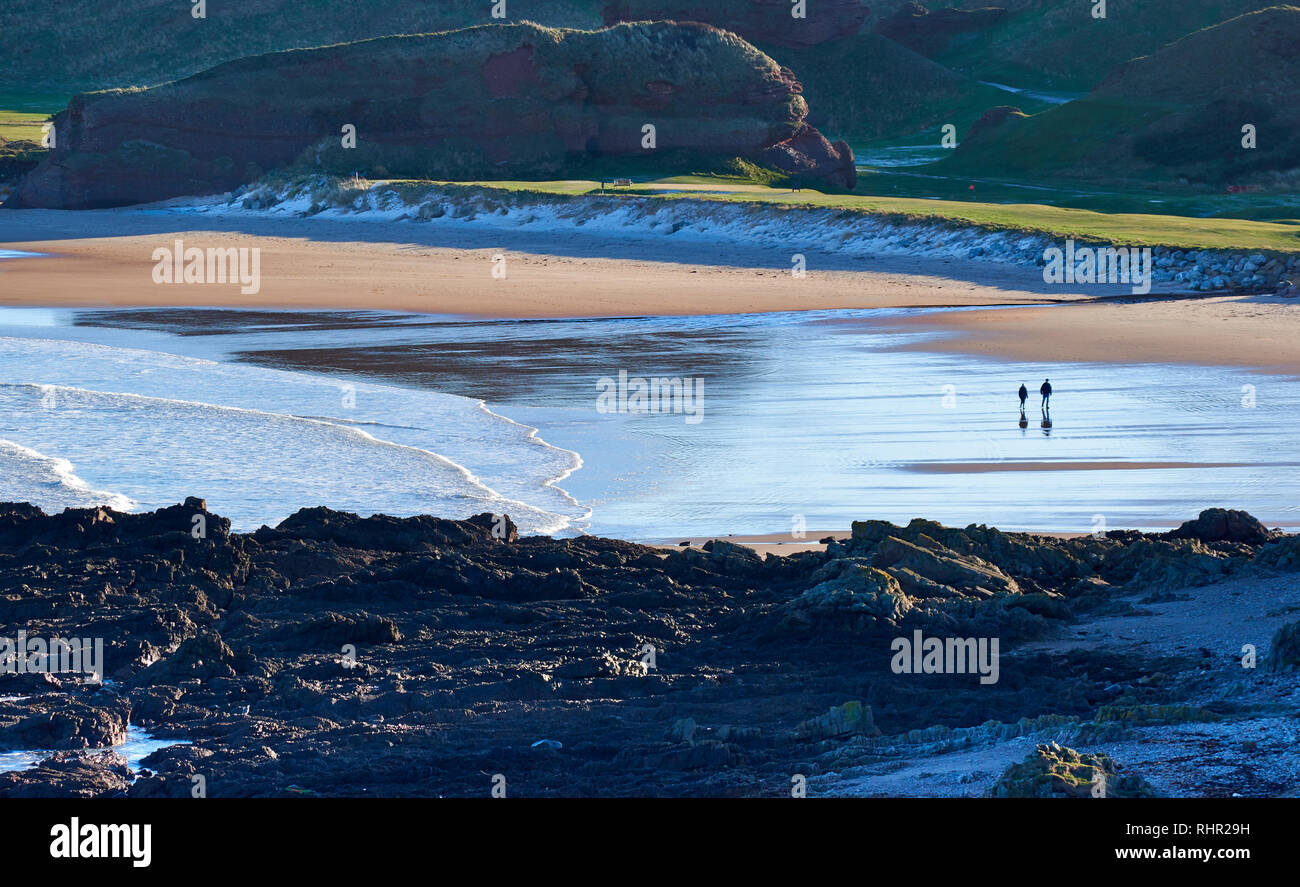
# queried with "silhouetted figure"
point(1024, 396)
point(1046, 392)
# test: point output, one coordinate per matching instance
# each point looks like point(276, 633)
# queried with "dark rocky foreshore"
point(336, 655)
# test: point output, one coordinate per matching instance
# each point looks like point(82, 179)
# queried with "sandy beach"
point(104, 258)
point(653, 304)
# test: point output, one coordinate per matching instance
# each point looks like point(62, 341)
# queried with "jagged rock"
point(1053, 771)
point(732, 559)
point(381, 532)
point(1284, 649)
point(70, 775)
point(1168, 564)
point(332, 630)
point(848, 719)
point(737, 733)
point(22, 524)
point(966, 575)
point(1145, 715)
point(853, 596)
point(706, 754)
point(808, 156)
point(471, 648)
point(682, 730)
point(28, 683)
point(1282, 553)
point(204, 657)
point(1224, 525)
point(59, 721)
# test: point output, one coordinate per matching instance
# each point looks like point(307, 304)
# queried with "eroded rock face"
point(488, 102)
point(808, 156)
point(766, 21)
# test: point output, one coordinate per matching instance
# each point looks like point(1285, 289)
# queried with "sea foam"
point(91, 424)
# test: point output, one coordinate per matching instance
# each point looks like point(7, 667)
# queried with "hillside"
point(497, 101)
point(159, 40)
point(868, 87)
point(1176, 114)
point(761, 21)
point(1057, 44)
point(860, 85)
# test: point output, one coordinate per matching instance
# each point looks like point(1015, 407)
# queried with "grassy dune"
point(1179, 232)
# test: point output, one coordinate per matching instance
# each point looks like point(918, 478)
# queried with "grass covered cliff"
point(496, 101)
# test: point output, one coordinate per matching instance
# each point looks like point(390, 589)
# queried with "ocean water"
point(139, 745)
point(807, 420)
point(84, 424)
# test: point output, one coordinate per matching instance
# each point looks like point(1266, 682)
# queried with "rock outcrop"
point(1224, 525)
point(1284, 649)
point(1053, 771)
point(500, 101)
point(341, 655)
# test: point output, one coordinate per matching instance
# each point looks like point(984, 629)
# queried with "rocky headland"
point(340, 655)
point(496, 101)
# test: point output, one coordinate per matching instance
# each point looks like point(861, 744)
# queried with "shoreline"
point(102, 259)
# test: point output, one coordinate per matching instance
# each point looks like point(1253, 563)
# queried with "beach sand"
point(299, 273)
point(104, 258)
point(1260, 332)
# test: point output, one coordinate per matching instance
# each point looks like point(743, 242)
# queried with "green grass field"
point(1136, 229)
point(22, 114)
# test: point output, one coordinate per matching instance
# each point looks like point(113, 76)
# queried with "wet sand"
point(529, 369)
point(1262, 332)
point(104, 258)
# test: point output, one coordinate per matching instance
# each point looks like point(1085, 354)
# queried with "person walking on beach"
point(1046, 392)
point(1024, 396)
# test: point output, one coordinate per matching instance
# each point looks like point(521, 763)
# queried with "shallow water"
point(84, 423)
point(811, 419)
point(138, 746)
